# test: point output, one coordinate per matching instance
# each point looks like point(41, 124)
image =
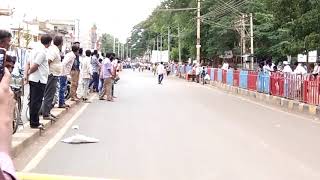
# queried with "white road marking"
point(268, 107)
point(44, 151)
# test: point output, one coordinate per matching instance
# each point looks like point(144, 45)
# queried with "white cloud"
point(112, 16)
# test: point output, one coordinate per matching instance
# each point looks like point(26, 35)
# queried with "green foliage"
point(107, 43)
point(281, 27)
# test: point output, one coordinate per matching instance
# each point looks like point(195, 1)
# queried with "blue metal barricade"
point(244, 79)
point(212, 74)
point(263, 82)
point(220, 75)
point(230, 77)
point(188, 68)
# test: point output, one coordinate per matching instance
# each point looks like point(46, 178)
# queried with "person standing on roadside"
point(67, 63)
point(95, 68)
point(160, 71)
point(5, 39)
point(75, 72)
point(7, 170)
point(37, 73)
point(85, 74)
point(107, 76)
point(55, 68)
point(286, 68)
point(114, 62)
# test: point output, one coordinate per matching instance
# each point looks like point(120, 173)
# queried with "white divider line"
point(44, 151)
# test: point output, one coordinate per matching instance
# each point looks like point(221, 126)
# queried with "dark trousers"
point(36, 95)
point(95, 81)
point(49, 94)
point(63, 87)
point(112, 88)
point(160, 78)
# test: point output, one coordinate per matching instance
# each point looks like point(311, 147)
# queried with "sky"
point(116, 17)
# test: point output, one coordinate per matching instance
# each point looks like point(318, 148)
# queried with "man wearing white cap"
point(286, 68)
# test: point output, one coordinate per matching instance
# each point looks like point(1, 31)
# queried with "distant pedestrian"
point(38, 77)
point(101, 81)
point(85, 74)
point(55, 69)
point(107, 77)
point(168, 69)
point(300, 69)
point(114, 62)
point(75, 72)
point(286, 68)
point(160, 72)
point(95, 68)
point(67, 64)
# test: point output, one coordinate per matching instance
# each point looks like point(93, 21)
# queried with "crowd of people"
point(47, 71)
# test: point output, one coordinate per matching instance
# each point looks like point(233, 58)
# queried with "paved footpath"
point(186, 131)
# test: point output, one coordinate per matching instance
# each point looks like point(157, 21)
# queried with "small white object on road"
point(79, 139)
point(75, 127)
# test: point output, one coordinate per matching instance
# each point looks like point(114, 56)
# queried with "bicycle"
point(17, 88)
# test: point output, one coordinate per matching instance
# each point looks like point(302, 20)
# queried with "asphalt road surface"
point(185, 131)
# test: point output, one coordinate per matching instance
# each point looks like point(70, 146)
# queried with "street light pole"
point(114, 44)
point(179, 42)
point(118, 48)
point(198, 30)
point(168, 43)
point(251, 38)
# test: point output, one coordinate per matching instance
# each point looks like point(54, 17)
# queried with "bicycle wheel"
point(17, 118)
point(28, 113)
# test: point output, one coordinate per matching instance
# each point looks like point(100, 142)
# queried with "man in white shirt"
point(55, 69)
point(67, 64)
point(225, 66)
point(38, 76)
point(107, 77)
point(300, 69)
point(198, 72)
point(267, 68)
point(160, 72)
point(286, 68)
point(85, 75)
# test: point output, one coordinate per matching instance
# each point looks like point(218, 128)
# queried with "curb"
point(25, 137)
point(287, 104)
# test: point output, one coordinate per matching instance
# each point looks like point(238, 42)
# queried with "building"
point(65, 28)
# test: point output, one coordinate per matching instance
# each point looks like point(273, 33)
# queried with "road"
point(182, 130)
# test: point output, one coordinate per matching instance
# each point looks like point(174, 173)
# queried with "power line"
point(217, 24)
point(230, 7)
point(224, 9)
point(179, 9)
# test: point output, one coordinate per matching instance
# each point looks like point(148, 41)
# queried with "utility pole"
point(169, 43)
point(251, 40)
point(127, 51)
point(130, 54)
point(114, 44)
point(198, 31)
point(78, 29)
point(243, 35)
point(118, 48)
point(157, 48)
point(161, 47)
point(123, 53)
point(179, 42)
